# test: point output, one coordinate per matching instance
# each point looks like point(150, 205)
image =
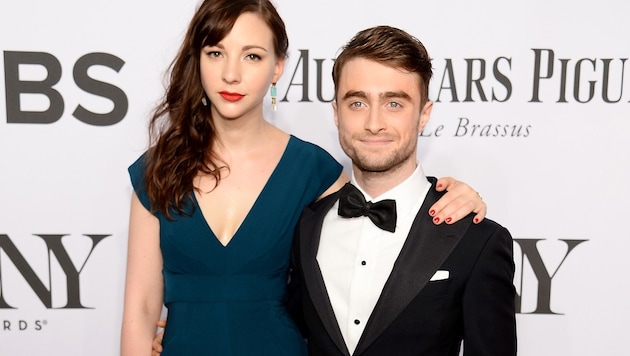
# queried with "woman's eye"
point(253, 57)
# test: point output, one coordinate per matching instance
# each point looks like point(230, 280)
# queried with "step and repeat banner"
point(532, 108)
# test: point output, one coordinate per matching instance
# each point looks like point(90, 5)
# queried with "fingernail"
point(476, 220)
point(439, 185)
point(448, 220)
point(436, 220)
point(432, 212)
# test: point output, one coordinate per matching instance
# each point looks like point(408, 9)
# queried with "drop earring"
point(204, 101)
point(273, 91)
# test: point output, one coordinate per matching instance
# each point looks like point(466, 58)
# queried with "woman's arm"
point(459, 201)
point(144, 282)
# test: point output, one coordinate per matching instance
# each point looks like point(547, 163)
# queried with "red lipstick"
point(232, 97)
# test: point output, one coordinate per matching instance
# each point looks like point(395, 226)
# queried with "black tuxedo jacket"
point(416, 316)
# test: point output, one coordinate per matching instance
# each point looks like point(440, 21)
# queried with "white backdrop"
point(547, 85)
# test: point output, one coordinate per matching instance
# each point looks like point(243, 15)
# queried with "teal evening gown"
point(230, 300)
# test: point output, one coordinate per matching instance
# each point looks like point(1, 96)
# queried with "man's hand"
point(459, 201)
point(157, 340)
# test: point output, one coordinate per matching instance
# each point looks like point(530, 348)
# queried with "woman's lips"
point(231, 96)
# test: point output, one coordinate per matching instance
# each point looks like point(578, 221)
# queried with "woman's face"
point(237, 72)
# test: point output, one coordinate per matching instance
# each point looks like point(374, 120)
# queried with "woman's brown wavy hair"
point(181, 129)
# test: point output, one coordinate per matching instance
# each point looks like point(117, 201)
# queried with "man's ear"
point(425, 115)
point(334, 106)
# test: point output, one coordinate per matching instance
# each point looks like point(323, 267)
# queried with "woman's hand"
point(459, 201)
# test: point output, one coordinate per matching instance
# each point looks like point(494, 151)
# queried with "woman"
point(219, 192)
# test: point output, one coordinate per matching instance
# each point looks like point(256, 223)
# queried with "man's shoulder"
point(488, 225)
point(324, 203)
point(488, 231)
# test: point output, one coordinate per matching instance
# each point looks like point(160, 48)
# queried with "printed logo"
point(15, 63)
point(532, 261)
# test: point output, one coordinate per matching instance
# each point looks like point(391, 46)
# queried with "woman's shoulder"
point(138, 167)
point(311, 157)
point(306, 147)
point(293, 143)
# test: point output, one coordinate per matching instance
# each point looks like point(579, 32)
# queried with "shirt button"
point(363, 263)
point(357, 322)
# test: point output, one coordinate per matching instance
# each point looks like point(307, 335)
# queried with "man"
point(408, 287)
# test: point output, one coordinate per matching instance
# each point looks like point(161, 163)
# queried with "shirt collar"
point(406, 193)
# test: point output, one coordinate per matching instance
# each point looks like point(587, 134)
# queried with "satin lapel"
point(424, 251)
point(310, 230)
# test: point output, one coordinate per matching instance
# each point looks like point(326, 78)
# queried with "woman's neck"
point(236, 138)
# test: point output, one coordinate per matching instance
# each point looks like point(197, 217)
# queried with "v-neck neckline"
point(253, 207)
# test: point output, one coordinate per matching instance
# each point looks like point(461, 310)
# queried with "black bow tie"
point(352, 204)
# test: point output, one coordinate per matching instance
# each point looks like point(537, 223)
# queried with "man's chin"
point(372, 167)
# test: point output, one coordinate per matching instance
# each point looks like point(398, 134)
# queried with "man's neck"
point(377, 183)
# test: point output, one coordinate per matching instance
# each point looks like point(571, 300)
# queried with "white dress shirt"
point(356, 257)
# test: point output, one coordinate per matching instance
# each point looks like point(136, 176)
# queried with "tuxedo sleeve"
point(489, 299)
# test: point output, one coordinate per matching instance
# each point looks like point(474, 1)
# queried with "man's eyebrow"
point(355, 94)
point(385, 95)
point(395, 94)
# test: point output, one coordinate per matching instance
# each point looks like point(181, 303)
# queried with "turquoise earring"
point(274, 93)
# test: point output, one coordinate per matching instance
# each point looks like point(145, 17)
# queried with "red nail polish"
point(476, 220)
point(448, 220)
point(436, 220)
point(439, 186)
point(432, 212)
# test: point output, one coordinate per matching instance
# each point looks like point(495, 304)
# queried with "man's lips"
point(376, 141)
point(231, 96)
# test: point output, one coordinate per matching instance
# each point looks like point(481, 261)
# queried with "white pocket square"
point(440, 275)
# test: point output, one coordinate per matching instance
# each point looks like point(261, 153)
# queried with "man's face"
point(379, 115)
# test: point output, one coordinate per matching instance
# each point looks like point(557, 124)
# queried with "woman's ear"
point(278, 69)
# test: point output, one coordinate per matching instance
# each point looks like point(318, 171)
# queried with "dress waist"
point(223, 288)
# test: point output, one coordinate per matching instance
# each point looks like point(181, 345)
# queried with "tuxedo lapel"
point(310, 230)
point(425, 250)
